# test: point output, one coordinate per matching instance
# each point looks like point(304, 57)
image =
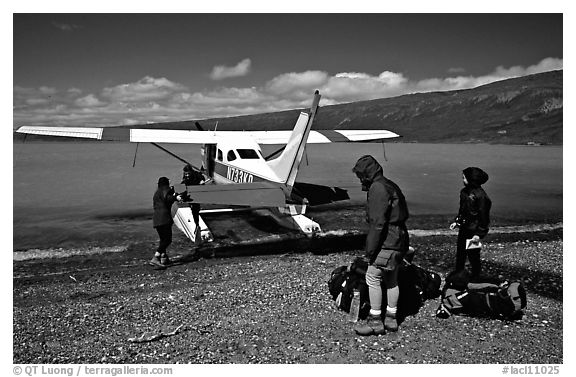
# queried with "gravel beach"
point(274, 308)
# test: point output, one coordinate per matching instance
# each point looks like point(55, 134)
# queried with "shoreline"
point(64, 252)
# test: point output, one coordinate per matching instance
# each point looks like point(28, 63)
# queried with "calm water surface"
point(75, 193)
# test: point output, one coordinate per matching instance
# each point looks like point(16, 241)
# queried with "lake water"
point(80, 193)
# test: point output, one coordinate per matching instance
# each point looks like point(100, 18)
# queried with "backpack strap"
point(514, 294)
point(487, 297)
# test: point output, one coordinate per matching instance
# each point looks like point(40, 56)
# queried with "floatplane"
point(237, 176)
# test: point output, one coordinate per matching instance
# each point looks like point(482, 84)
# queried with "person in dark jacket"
point(386, 243)
point(162, 221)
point(473, 218)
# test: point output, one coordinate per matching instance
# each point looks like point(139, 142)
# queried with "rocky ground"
point(272, 308)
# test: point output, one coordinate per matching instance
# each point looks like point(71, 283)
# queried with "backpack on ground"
point(341, 285)
point(460, 297)
point(410, 276)
point(426, 282)
point(416, 285)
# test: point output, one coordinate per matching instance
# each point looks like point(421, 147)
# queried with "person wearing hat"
point(386, 244)
point(162, 221)
point(472, 220)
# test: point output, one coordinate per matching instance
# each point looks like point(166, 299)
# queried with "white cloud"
point(159, 99)
point(548, 64)
point(224, 102)
point(26, 97)
point(221, 72)
point(456, 70)
point(36, 101)
point(146, 89)
point(499, 73)
point(354, 86)
point(88, 101)
point(353, 75)
point(293, 84)
point(75, 91)
point(66, 27)
point(231, 96)
point(46, 90)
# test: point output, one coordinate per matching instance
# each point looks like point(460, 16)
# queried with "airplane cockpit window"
point(219, 155)
point(248, 154)
point(231, 156)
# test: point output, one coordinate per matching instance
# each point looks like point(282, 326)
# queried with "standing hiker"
point(472, 220)
point(162, 221)
point(386, 244)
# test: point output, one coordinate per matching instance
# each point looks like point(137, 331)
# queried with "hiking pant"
point(462, 253)
point(385, 268)
point(165, 234)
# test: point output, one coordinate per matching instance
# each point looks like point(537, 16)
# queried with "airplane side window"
point(219, 155)
point(231, 156)
point(248, 154)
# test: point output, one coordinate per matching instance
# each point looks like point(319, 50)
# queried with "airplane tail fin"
point(286, 165)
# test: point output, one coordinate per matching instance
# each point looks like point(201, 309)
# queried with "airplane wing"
point(136, 135)
point(321, 136)
point(132, 135)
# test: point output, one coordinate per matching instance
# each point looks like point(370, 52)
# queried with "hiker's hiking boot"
point(390, 322)
point(156, 262)
point(164, 260)
point(371, 326)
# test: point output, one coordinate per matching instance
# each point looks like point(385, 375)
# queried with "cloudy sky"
point(115, 69)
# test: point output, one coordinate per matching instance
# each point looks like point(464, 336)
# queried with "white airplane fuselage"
point(241, 161)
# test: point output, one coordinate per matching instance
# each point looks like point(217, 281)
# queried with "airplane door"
point(209, 157)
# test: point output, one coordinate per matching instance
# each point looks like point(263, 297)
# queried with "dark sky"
point(116, 48)
point(100, 56)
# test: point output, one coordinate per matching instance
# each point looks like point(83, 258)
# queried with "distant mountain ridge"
point(523, 110)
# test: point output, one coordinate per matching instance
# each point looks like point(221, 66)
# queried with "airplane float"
point(237, 175)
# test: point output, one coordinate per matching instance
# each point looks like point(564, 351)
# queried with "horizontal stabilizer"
point(317, 194)
point(259, 194)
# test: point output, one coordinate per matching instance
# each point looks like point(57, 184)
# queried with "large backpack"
point(343, 280)
point(416, 285)
point(504, 301)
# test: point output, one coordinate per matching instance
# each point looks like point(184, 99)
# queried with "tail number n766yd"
point(239, 176)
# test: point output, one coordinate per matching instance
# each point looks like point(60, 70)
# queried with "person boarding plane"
point(237, 174)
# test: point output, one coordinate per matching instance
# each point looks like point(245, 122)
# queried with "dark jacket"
point(386, 207)
point(474, 212)
point(162, 201)
point(191, 177)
